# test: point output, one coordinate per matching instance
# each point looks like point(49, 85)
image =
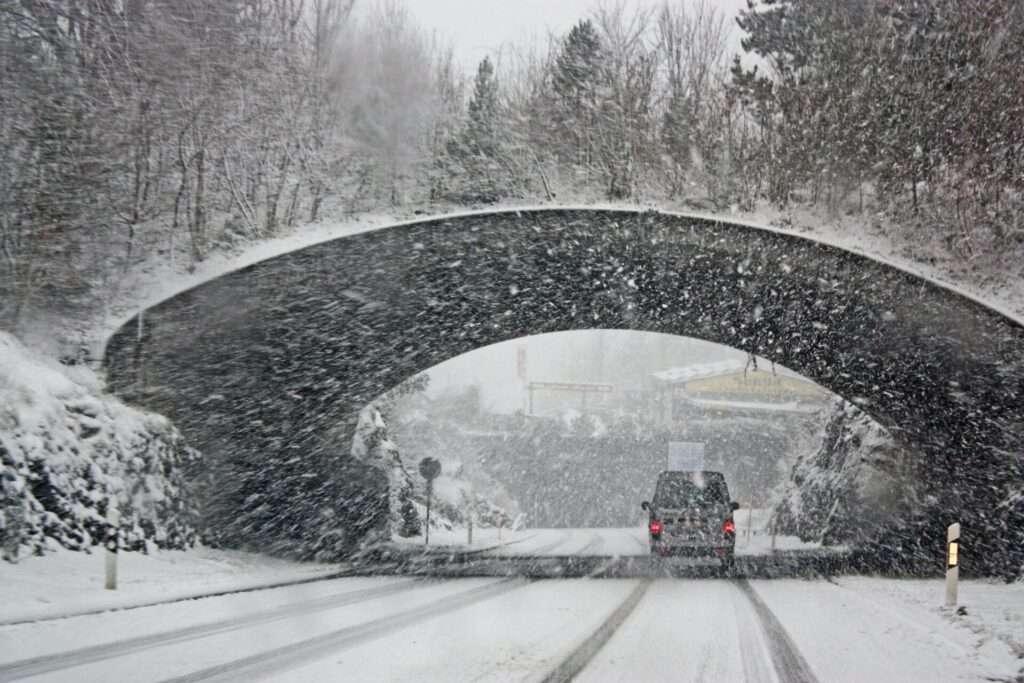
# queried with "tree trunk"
point(199, 219)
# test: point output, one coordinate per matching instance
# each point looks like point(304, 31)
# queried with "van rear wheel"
point(729, 561)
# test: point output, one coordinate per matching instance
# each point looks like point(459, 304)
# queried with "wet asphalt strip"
point(87, 655)
point(789, 664)
point(295, 654)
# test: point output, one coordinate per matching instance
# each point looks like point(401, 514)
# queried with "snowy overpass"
point(268, 359)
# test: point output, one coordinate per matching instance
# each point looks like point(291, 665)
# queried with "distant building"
point(732, 388)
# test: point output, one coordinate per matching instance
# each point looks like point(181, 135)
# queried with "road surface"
point(500, 629)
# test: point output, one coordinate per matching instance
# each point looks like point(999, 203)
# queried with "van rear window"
point(684, 491)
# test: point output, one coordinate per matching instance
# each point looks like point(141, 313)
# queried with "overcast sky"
point(478, 28)
point(619, 357)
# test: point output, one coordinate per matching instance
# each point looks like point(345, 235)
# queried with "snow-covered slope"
point(68, 451)
point(65, 583)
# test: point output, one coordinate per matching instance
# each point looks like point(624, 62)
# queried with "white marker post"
point(952, 563)
point(750, 522)
point(114, 517)
point(470, 509)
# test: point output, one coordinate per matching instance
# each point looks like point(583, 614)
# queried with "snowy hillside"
point(67, 451)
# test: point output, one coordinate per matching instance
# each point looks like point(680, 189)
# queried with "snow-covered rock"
point(851, 486)
point(68, 451)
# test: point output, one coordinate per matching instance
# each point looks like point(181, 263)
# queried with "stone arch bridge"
point(262, 368)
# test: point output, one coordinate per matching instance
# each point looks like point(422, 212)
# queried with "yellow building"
point(733, 388)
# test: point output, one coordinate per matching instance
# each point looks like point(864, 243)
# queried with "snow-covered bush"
point(850, 487)
point(373, 446)
point(67, 451)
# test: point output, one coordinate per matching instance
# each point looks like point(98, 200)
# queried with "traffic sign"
point(574, 386)
point(685, 456)
point(430, 468)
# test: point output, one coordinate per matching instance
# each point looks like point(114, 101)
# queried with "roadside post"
point(750, 521)
point(113, 536)
point(429, 469)
point(952, 563)
point(470, 513)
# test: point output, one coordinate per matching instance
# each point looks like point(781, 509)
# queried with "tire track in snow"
point(87, 655)
point(593, 546)
point(295, 654)
point(592, 644)
point(758, 665)
point(643, 544)
point(790, 666)
point(547, 547)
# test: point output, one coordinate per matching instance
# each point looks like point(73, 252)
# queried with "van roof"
point(704, 473)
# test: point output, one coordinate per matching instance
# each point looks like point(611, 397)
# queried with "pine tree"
point(481, 133)
point(575, 83)
point(411, 525)
point(477, 156)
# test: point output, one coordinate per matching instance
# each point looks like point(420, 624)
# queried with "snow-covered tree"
point(373, 446)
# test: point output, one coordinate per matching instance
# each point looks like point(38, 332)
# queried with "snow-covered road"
point(482, 629)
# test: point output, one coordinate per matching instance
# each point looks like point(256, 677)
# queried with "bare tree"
point(692, 40)
point(625, 125)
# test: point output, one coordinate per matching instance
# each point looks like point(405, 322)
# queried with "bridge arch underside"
point(257, 367)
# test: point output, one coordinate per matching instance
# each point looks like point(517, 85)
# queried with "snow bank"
point(67, 451)
point(992, 612)
point(65, 583)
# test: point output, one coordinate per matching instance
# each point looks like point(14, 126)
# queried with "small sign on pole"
point(952, 563)
point(685, 456)
point(429, 470)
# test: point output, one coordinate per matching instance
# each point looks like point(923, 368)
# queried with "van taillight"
point(655, 527)
point(729, 527)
